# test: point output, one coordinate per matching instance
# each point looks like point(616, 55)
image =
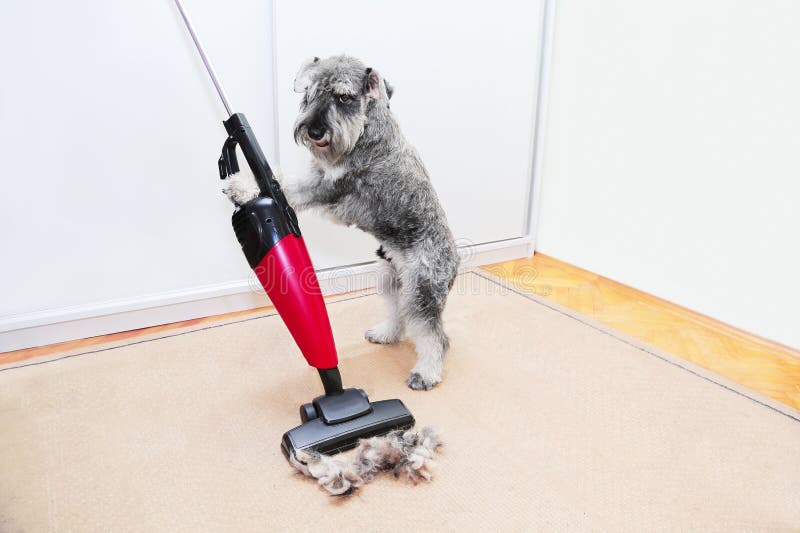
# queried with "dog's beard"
point(342, 135)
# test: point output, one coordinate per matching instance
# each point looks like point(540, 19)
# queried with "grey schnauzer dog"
point(365, 174)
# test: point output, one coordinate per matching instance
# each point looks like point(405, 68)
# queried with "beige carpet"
point(550, 422)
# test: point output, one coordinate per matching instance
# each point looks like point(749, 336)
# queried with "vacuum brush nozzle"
point(342, 434)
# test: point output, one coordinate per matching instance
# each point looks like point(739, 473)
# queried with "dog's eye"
point(345, 98)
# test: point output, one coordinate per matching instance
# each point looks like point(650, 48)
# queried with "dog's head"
point(338, 94)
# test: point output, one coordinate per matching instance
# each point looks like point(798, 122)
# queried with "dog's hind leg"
point(392, 329)
point(422, 305)
point(431, 344)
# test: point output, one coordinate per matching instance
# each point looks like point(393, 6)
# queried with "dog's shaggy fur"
point(407, 454)
point(364, 173)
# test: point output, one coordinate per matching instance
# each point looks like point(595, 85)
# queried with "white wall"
point(109, 139)
point(672, 154)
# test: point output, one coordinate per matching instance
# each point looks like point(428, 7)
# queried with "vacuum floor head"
point(316, 434)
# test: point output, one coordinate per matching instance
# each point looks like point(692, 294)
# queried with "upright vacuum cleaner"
point(268, 231)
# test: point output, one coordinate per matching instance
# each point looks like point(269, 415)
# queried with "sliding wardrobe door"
point(465, 78)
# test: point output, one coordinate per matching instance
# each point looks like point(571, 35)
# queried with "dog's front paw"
point(383, 333)
point(240, 188)
point(417, 382)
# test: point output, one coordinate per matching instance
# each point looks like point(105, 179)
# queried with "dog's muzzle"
point(317, 135)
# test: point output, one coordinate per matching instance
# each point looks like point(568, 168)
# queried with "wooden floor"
point(30, 353)
point(756, 363)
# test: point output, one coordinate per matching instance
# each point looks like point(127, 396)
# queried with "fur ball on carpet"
point(407, 454)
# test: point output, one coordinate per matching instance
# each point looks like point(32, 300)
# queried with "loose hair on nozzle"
point(407, 454)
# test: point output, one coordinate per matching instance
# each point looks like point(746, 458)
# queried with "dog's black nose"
point(316, 132)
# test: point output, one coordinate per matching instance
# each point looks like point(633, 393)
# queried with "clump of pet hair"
point(408, 454)
point(338, 477)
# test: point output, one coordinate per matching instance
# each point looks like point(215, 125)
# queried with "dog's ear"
point(303, 77)
point(375, 86)
point(389, 88)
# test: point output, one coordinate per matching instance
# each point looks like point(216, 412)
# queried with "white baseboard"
point(68, 323)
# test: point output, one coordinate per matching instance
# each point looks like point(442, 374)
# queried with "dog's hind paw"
point(383, 333)
point(417, 382)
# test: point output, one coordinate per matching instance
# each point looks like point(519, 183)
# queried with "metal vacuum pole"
point(206, 61)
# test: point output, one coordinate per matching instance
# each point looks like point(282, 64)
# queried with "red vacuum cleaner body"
point(270, 237)
point(285, 272)
point(287, 275)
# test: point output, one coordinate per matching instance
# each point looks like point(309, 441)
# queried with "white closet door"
point(465, 86)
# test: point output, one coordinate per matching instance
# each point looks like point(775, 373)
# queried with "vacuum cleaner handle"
point(240, 132)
